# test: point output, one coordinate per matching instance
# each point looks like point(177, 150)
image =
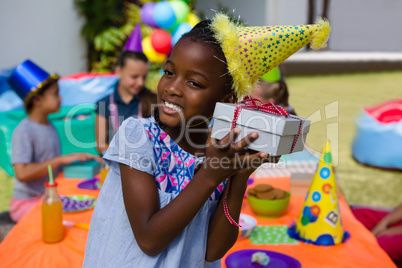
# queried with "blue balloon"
point(164, 15)
point(181, 29)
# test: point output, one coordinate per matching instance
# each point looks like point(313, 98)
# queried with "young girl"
point(167, 201)
point(130, 97)
point(155, 209)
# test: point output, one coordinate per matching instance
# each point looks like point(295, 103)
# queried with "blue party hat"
point(28, 79)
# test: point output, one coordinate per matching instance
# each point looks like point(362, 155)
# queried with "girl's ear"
point(37, 100)
point(117, 71)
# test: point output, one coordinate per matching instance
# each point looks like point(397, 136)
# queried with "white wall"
point(357, 25)
point(45, 31)
point(366, 25)
point(260, 12)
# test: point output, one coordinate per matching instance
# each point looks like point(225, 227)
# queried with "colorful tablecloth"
point(23, 247)
point(361, 250)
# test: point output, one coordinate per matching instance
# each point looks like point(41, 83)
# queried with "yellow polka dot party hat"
point(319, 221)
point(253, 51)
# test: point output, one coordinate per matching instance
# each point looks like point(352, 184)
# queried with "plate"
point(76, 203)
point(92, 184)
point(242, 259)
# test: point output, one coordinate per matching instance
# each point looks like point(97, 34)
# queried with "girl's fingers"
point(251, 160)
point(240, 145)
point(227, 141)
point(266, 158)
point(256, 159)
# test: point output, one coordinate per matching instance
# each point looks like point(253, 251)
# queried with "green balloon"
point(181, 10)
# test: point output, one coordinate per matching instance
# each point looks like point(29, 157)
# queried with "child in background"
point(174, 194)
point(130, 96)
point(386, 226)
point(35, 142)
point(271, 87)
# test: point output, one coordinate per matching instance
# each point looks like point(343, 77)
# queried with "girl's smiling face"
point(193, 81)
point(132, 75)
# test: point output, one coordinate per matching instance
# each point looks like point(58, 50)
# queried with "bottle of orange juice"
point(52, 213)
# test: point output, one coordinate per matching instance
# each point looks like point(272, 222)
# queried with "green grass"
point(338, 99)
point(351, 92)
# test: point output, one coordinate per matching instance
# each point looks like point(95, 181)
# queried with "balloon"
point(181, 10)
point(192, 19)
point(181, 29)
point(161, 41)
point(150, 52)
point(146, 14)
point(164, 15)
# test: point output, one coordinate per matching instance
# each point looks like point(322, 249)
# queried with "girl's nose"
point(174, 88)
point(141, 81)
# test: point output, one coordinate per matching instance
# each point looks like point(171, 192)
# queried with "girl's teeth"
point(172, 106)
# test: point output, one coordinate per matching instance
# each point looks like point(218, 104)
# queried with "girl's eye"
point(194, 84)
point(167, 72)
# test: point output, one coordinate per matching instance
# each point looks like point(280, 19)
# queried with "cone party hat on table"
point(319, 221)
point(28, 79)
point(134, 42)
point(251, 52)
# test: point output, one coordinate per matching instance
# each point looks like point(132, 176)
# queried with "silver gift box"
point(276, 133)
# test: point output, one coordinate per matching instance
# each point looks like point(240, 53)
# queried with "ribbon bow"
point(255, 104)
point(268, 107)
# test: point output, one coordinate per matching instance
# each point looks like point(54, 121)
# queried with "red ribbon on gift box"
point(255, 104)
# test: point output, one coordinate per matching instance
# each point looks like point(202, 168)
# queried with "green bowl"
point(269, 208)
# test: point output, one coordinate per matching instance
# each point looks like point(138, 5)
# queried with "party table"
point(23, 247)
point(360, 250)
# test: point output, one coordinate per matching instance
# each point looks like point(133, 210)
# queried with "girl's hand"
point(257, 162)
point(380, 228)
point(226, 158)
